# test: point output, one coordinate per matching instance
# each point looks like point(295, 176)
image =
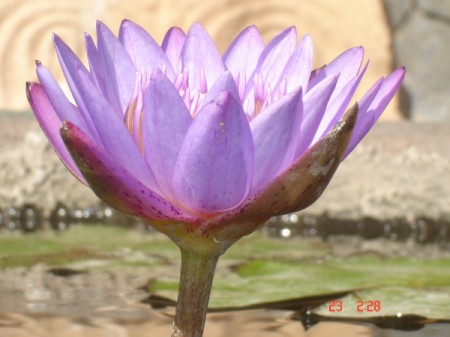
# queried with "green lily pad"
point(256, 269)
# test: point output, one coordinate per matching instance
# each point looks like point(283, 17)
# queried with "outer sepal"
point(112, 183)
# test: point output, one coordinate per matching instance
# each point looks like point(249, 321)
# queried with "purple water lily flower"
point(206, 147)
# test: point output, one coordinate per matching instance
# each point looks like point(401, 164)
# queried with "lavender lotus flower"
point(206, 147)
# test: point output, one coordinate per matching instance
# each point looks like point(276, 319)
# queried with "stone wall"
point(421, 41)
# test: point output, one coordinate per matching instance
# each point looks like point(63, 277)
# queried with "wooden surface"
point(26, 28)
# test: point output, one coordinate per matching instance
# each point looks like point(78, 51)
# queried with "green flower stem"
point(196, 277)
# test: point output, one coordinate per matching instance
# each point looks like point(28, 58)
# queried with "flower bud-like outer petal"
point(120, 72)
point(200, 53)
point(295, 189)
point(172, 45)
point(143, 50)
point(50, 123)
point(112, 183)
point(242, 55)
point(215, 162)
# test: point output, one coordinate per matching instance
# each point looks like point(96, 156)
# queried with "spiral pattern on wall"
point(26, 28)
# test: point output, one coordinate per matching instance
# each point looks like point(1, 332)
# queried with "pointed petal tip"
point(348, 120)
point(126, 22)
point(307, 38)
point(57, 39)
point(101, 26)
point(176, 29)
point(68, 130)
point(357, 52)
point(66, 126)
point(344, 128)
point(28, 86)
point(401, 71)
point(292, 29)
point(252, 27)
point(69, 133)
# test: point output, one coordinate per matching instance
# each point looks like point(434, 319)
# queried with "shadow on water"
point(292, 318)
point(300, 310)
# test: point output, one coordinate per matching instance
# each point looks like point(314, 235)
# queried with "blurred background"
point(413, 33)
point(27, 26)
point(384, 220)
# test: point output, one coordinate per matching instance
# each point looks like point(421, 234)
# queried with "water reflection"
point(423, 230)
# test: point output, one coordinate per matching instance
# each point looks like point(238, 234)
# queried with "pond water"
point(300, 276)
point(252, 323)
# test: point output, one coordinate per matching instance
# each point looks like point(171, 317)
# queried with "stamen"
point(282, 88)
point(260, 94)
point(186, 97)
point(263, 94)
point(203, 85)
point(241, 82)
point(194, 104)
point(134, 112)
point(178, 81)
point(185, 83)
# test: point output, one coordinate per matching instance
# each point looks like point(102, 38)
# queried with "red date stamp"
point(361, 306)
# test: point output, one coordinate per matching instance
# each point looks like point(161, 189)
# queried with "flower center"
point(193, 98)
point(261, 95)
point(133, 114)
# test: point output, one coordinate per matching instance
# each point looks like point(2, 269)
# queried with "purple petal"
point(64, 109)
point(336, 107)
point(314, 105)
point(274, 57)
point(372, 106)
point(224, 83)
point(304, 181)
point(242, 55)
point(299, 65)
point(347, 64)
point(200, 54)
point(165, 123)
point(172, 45)
point(144, 51)
point(96, 65)
point(214, 167)
point(114, 135)
point(121, 73)
point(50, 123)
point(70, 65)
point(113, 183)
point(274, 130)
